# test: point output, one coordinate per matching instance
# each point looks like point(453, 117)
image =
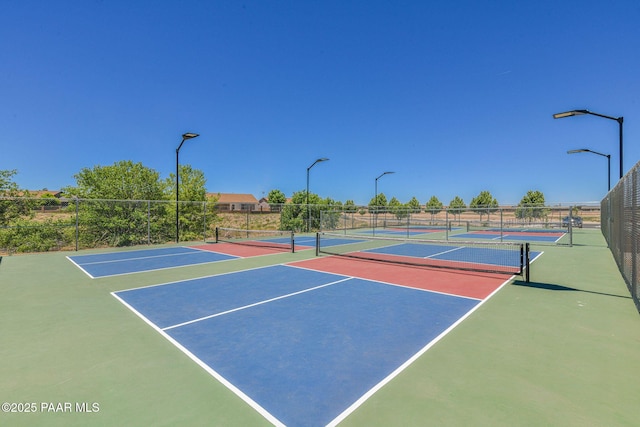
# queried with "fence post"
point(633, 233)
point(77, 224)
point(204, 221)
point(446, 223)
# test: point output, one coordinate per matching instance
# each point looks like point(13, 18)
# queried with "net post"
point(217, 234)
point(293, 243)
point(527, 260)
point(570, 226)
point(446, 224)
point(522, 260)
point(317, 244)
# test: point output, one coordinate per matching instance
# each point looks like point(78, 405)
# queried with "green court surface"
point(562, 350)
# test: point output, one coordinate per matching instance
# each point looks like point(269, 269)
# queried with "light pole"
point(375, 201)
point(322, 159)
point(608, 156)
point(188, 135)
point(620, 120)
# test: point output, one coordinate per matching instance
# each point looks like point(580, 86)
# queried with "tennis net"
point(492, 257)
point(283, 240)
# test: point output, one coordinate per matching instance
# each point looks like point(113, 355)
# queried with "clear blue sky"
point(455, 97)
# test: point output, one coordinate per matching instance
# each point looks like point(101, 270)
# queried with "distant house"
point(263, 205)
point(232, 202)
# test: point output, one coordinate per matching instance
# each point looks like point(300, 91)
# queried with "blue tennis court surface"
point(300, 346)
point(305, 241)
point(394, 232)
point(116, 263)
point(514, 236)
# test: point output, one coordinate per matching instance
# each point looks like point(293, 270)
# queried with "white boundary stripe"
point(256, 304)
point(199, 278)
point(406, 364)
point(81, 269)
point(166, 268)
point(206, 367)
point(446, 252)
point(191, 252)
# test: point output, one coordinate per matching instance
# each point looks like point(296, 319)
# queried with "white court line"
point(81, 269)
point(192, 252)
point(266, 414)
point(410, 361)
point(255, 304)
point(446, 252)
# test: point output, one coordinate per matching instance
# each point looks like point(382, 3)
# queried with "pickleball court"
point(305, 343)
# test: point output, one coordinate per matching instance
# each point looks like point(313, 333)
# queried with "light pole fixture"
point(322, 159)
point(375, 201)
point(620, 120)
point(608, 156)
point(188, 135)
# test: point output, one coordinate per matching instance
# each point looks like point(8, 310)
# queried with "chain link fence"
point(443, 223)
point(621, 228)
point(53, 224)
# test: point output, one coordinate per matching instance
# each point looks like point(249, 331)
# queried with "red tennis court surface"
point(462, 283)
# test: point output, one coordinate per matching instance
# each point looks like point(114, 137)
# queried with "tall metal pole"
point(185, 136)
point(323, 159)
point(178, 192)
point(620, 120)
point(375, 201)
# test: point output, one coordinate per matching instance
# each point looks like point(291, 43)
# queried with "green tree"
point(19, 206)
point(19, 232)
point(397, 208)
point(457, 206)
point(330, 212)
point(484, 203)
point(197, 210)
point(124, 180)
point(434, 206)
point(532, 206)
point(378, 204)
point(276, 199)
point(295, 215)
point(350, 206)
point(114, 211)
point(413, 205)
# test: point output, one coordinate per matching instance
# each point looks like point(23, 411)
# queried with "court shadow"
point(554, 287)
